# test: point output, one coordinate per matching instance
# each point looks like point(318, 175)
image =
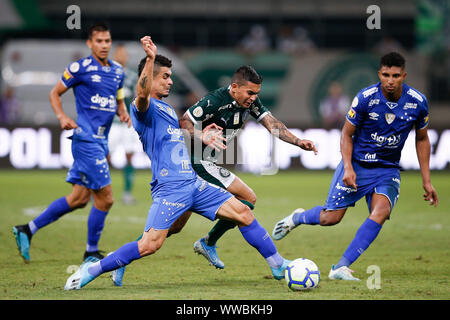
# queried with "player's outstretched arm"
point(211, 135)
point(423, 149)
point(349, 178)
point(144, 84)
point(278, 128)
point(55, 101)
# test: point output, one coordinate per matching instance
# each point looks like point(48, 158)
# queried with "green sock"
point(128, 172)
point(223, 226)
point(139, 238)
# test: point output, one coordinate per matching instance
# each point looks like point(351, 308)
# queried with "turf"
point(412, 250)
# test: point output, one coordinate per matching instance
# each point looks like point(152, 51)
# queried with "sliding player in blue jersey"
point(97, 84)
point(175, 186)
point(378, 123)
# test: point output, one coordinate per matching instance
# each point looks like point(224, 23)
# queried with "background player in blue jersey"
point(175, 186)
point(378, 123)
point(97, 84)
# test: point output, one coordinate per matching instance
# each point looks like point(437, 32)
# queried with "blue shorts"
point(175, 199)
point(90, 167)
point(385, 181)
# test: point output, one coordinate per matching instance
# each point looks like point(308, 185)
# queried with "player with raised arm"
point(175, 186)
point(379, 121)
point(215, 120)
point(97, 84)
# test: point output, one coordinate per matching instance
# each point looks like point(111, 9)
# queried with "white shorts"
point(213, 173)
point(123, 139)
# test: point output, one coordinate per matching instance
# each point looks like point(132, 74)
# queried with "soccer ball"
point(302, 274)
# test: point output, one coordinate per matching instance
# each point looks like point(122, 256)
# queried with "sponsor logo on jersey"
point(373, 102)
point(104, 101)
point(92, 68)
point(396, 180)
point(171, 130)
point(256, 111)
point(351, 113)
point(374, 116)
point(391, 105)
point(369, 92)
point(391, 140)
point(390, 117)
point(163, 172)
point(370, 157)
point(86, 62)
point(410, 105)
point(355, 102)
point(67, 75)
point(415, 94)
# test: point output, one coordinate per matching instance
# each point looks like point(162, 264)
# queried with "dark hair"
point(392, 59)
point(246, 73)
point(99, 27)
point(160, 61)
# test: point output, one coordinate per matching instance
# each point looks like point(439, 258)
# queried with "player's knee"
point(78, 201)
point(148, 247)
point(330, 219)
point(109, 201)
point(246, 216)
point(252, 198)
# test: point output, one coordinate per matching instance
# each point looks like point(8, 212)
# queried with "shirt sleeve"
point(355, 114)
point(423, 118)
point(199, 111)
point(71, 75)
point(258, 110)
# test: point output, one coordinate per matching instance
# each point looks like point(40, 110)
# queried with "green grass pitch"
point(411, 252)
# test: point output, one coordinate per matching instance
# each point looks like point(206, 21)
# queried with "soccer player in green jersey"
point(216, 119)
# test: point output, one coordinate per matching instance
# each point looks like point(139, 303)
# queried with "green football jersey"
point(220, 108)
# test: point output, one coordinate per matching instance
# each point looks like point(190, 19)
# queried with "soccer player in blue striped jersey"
point(377, 124)
point(97, 84)
point(175, 186)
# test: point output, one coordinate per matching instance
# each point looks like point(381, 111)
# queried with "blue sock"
point(310, 216)
point(119, 258)
point(259, 238)
point(364, 237)
point(96, 222)
point(54, 211)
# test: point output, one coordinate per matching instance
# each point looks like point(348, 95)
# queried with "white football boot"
point(342, 273)
point(283, 227)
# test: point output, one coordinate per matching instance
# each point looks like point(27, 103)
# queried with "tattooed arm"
point(277, 128)
point(144, 85)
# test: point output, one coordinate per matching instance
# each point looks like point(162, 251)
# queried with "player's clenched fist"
point(149, 47)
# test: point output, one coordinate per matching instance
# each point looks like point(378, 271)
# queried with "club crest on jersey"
point(391, 105)
point(236, 118)
point(390, 117)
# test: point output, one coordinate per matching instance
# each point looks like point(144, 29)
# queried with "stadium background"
point(324, 43)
